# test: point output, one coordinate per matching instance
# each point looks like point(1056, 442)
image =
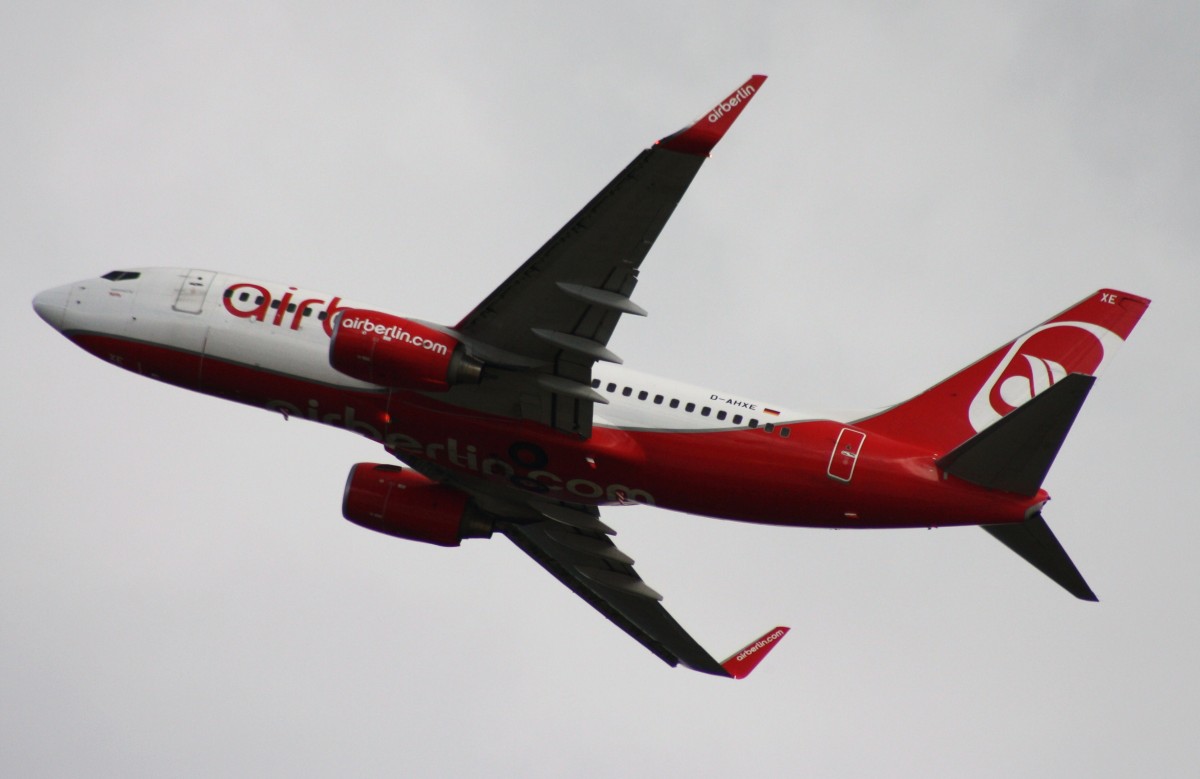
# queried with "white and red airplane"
point(519, 419)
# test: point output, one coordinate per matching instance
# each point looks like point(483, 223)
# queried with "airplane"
point(520, 421)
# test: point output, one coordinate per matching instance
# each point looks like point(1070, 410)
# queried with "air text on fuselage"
point(257, 303)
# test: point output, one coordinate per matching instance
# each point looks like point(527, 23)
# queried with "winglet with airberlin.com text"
point(700, 137)
point(741, 663)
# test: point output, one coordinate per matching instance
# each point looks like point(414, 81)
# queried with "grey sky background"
point(912, 187)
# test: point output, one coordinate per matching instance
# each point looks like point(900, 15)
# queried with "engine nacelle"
point(403, 503)
point(395, 352)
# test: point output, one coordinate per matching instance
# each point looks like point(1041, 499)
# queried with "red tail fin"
point(1079, 340)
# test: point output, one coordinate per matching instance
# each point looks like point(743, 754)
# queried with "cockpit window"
point(121, 275)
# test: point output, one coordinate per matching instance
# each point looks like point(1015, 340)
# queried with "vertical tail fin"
point(999, 422)
point(1079, 340)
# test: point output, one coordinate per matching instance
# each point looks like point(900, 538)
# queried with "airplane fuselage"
point(520, 421)
point(657, 441)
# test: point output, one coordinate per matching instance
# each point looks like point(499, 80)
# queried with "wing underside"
point(593, 568)
point(544, 327)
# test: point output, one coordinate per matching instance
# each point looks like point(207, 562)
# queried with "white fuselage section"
point(285, 330)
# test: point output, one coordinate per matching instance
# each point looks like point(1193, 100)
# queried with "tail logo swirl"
point(1035, 361)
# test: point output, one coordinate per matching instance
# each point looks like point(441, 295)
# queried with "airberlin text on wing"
point(736, 99)
point(762, 643)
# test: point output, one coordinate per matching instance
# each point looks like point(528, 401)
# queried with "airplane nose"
point(51, 305)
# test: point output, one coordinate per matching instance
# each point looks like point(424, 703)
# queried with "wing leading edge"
point(544, 327)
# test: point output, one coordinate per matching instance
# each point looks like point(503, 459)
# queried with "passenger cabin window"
point(611, 387)
point(674, 403)
point(721, 415)
point(658, 399)
point(705, 411)
point(785, 431)
point(643, 395)
point(737, 419)
point(595, 384)
point(627, 391)
point(690, 407)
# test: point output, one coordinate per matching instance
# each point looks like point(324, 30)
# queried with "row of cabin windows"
point(612, 387)
point(691, 407)
point(291, 308)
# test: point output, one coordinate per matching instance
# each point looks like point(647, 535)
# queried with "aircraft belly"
point(752, 476)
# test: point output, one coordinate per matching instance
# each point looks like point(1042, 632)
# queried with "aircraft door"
point(845, 454)
point(193, 291)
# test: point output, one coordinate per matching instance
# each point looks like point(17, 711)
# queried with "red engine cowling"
point(395, 352)
point(403, 503)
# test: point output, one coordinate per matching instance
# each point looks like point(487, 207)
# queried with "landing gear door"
point(193, 291)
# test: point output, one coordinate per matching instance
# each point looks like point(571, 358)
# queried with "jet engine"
point(403, 503)
point(395, 352)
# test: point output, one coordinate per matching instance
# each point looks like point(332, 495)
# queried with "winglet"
point(700, 137)
point(741, 663)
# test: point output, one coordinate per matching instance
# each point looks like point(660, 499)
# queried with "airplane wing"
point(571, 542)
point(573, 545)
point(590, 564)
point(544, 327)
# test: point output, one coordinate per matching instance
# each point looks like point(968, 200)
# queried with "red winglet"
point(702, 136)
point(741, 663)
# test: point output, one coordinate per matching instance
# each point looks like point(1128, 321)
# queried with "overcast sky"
point(179, 594)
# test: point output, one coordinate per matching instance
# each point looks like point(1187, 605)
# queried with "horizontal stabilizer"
point(1033, 540)
point(1015, 453)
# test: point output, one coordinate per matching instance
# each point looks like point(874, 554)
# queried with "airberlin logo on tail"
point(736, 99)
point(392, 333)
point(1035, 362)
